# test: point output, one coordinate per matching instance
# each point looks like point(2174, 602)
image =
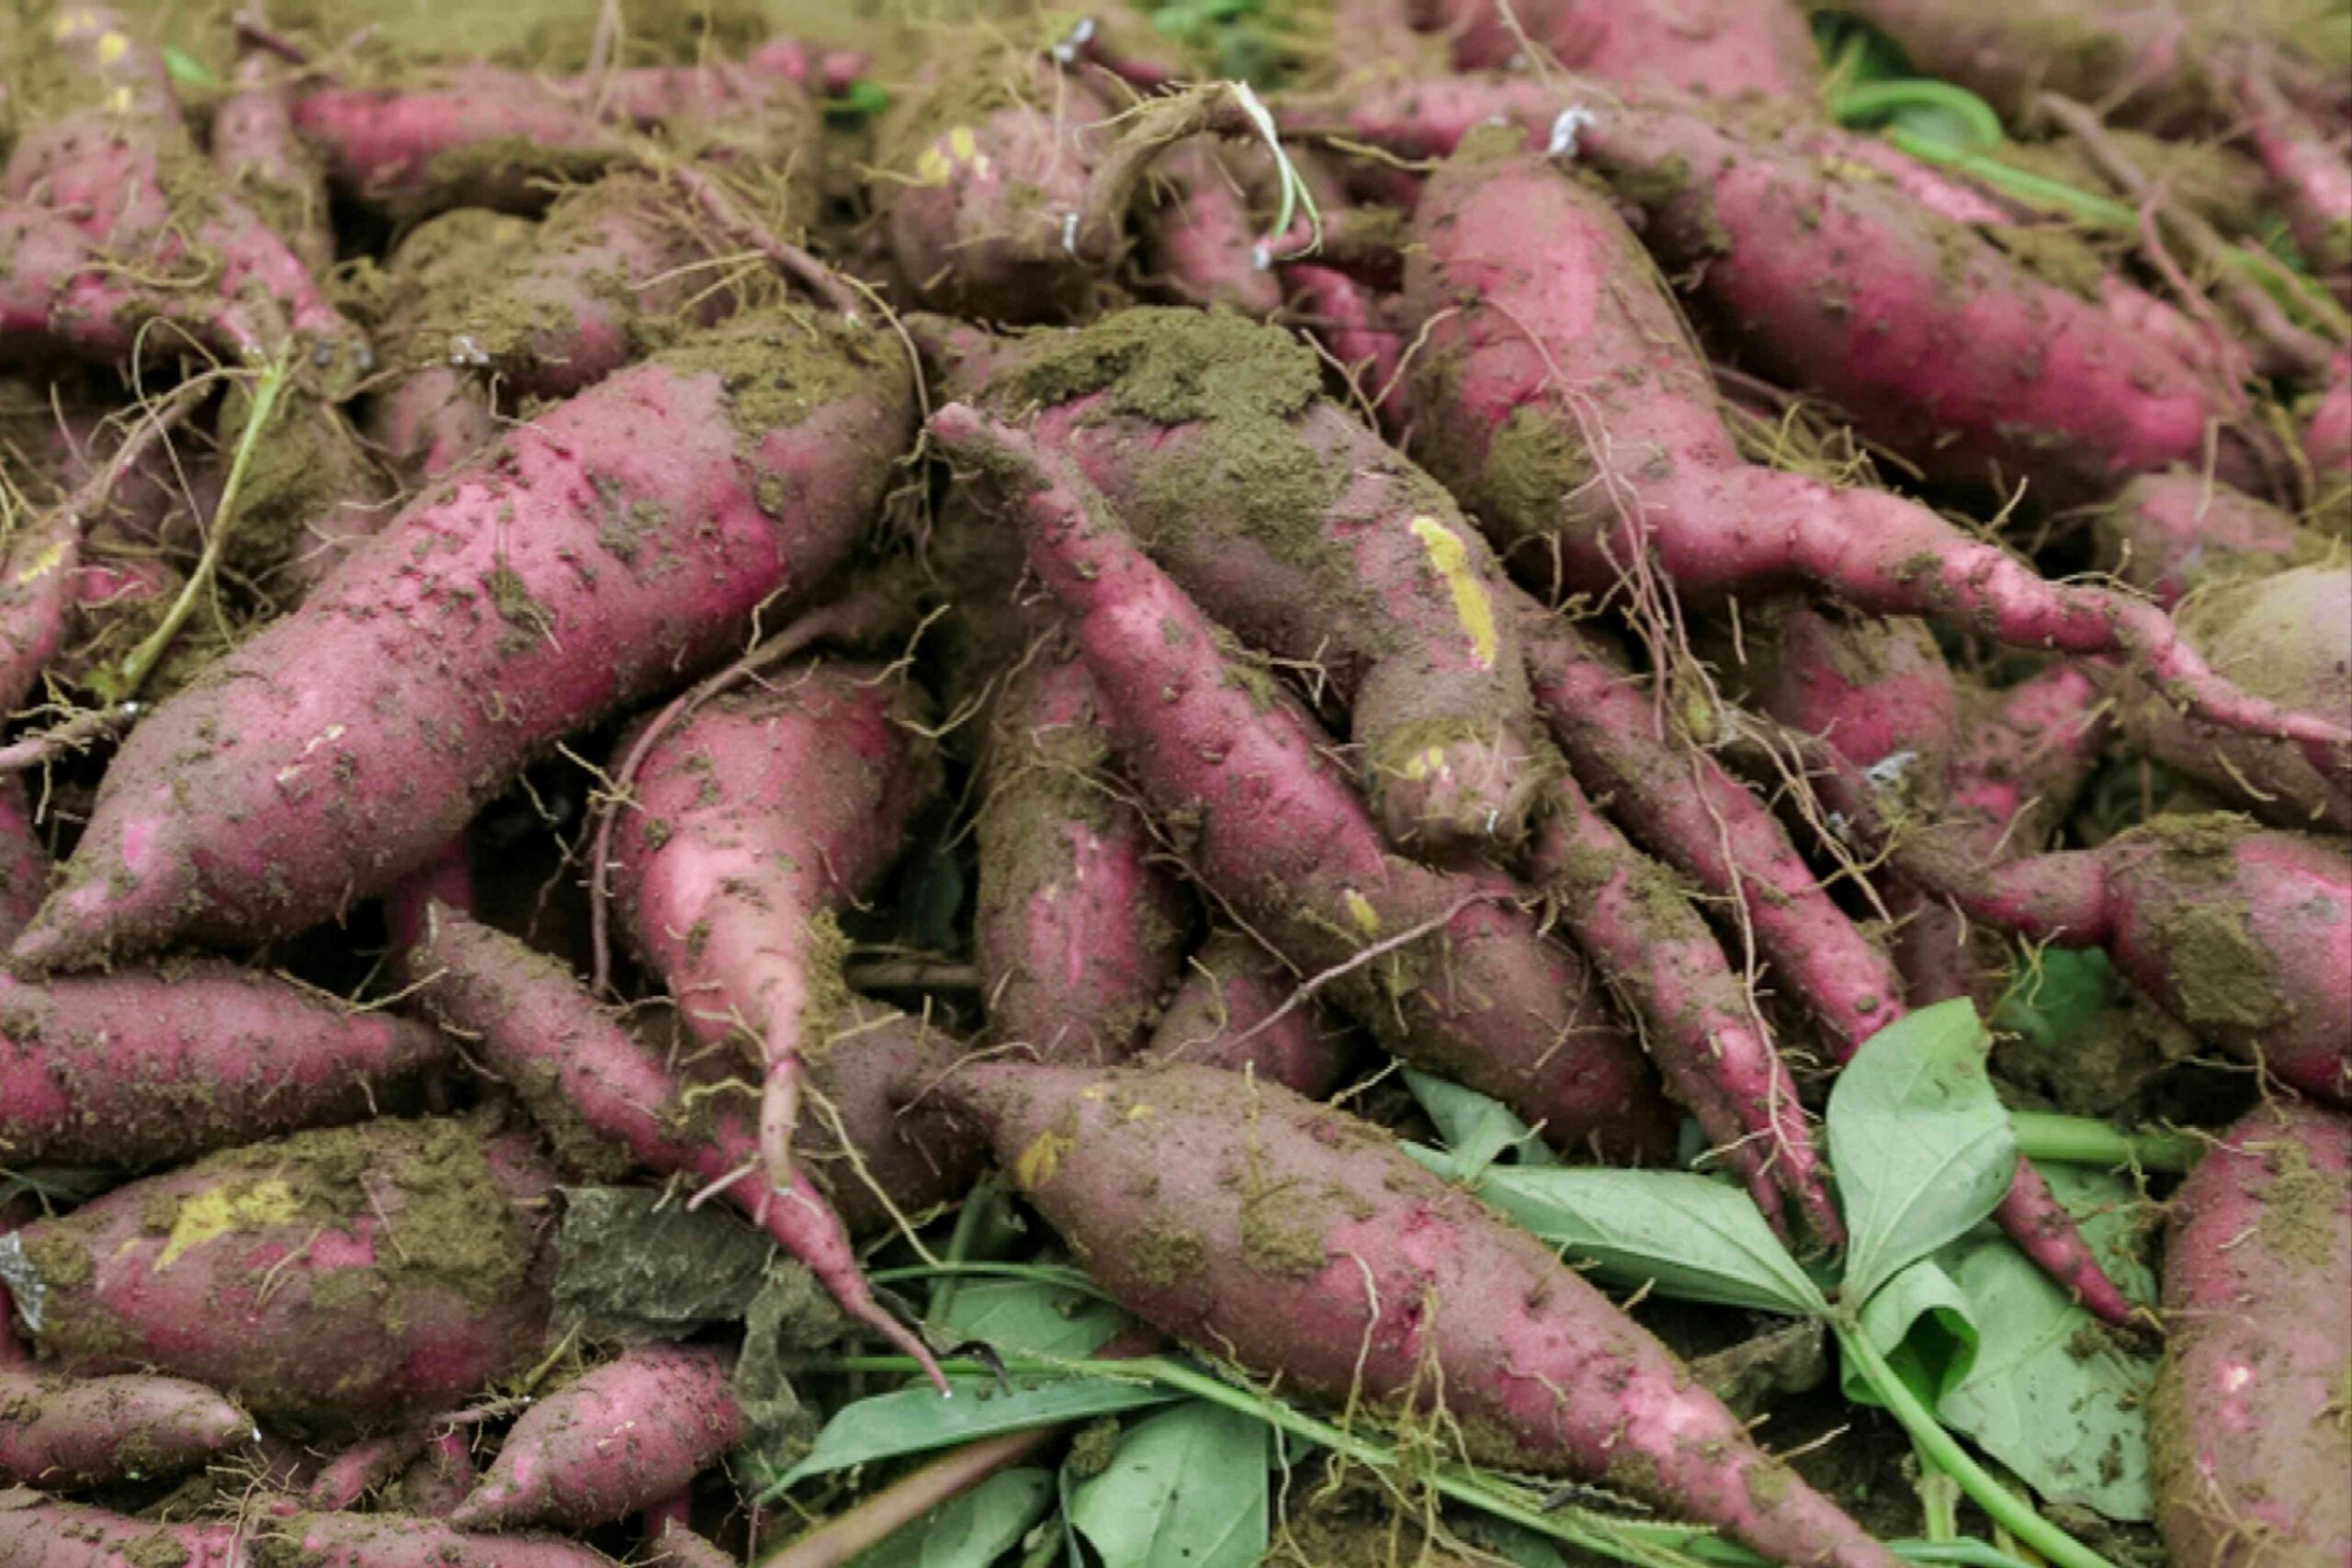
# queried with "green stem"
point(143, 659)
point(951, 1268)
point(1938, 1498)
point(2051, 196)
point(1654, 1544)
point(969, 1221)
point(2005, 1508)
point(1876, 100)
point(2079, 1140)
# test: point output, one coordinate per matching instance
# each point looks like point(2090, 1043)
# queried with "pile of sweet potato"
point(929, 646)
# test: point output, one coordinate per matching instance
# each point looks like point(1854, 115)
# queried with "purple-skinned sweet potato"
point(57, 1431)
point(1559, 396)
point(1303, 1244)
point(1006, 181)
point(613, 543)
point(616, 1438)
point(1643, 932)
point(24, 861)
point(2169, 534)
point(1928, 335)
point(1996, 772)
point(260, 156)
point(2244, 934)
point(1678, 802)
point(1204, 243)
point(133, 1069)
point(1711, 48)
point(2287, 636)
point(330, 1279)
point(753, 822)
point(483, 135)
point(1275, 830)
point(102, 143)
point(1230, 1014)
point(2246, 1430)
point(1081, 925)
point(36, 1533)
point(1307, 537)
point(609, 1102)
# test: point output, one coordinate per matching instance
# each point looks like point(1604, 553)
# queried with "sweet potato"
point(611, 1441)
point(101, 142)
point(2327, 446)
point(2006, 52)
point(1303, 1244)
point(1637, 922)
point(2244, 934)
point(259, 155)
point(1527, 404)
point(1714, 47)
point(133, 1069)
point(754, 820)
point(1277, 831)
point(1997, 774)
point(1204, 243)
point(1228, 1014)
point(2246, 1427)
point(430, 415)
point(2288, 638)
point(24, 861)
point(1676, 801)
point(2310, 180)
point(2169, 534)
point(1007, 182)
point(437, 1480)
point(483, 135)
point(1080, 926)
point(1933, 339)
point(616, 540)
point(39, 1534)
point(609, 1102)
point(1303, 533)
point(85, 1431)
point(1359, 328)
point(330, 1279)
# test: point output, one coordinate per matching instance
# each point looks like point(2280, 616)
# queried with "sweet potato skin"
point(85, 1431)
point(1080, 926)
point(617, 539)
point(39, 1534)
point(614, 1439)
point(1302, 1243)
point(2246, 1426)
point(24, 861)
point(2170, 533)
point(1305, 535)
point(1280, 833)
point(1227, 1014)
point(330, 1279)
point(1712, 49)
point(133, 1069)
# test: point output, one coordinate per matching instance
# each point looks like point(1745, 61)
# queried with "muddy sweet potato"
point(1304, 534)
point(83, 1431)
point(754, 820)
point(2246, 1427)
point(613, 542)
point(616, 1438)
point(1277, 831)
point(330, 1279)
point(1230, 1014)
point(1303, 1244)
point(2170, 534)
point(134, 1069)
point(1081, 925)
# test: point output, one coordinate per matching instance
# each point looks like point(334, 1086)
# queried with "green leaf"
point(916, 1420)
point(1690, 1236)
point(1919, 1141)
point(1027, 1318)
point(2053, 1398)
point(972, 1530)
point(1922, 1322)
point(186, 69)
point(1478, 1129)
point(2059, 997)
point(1187, 1489)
